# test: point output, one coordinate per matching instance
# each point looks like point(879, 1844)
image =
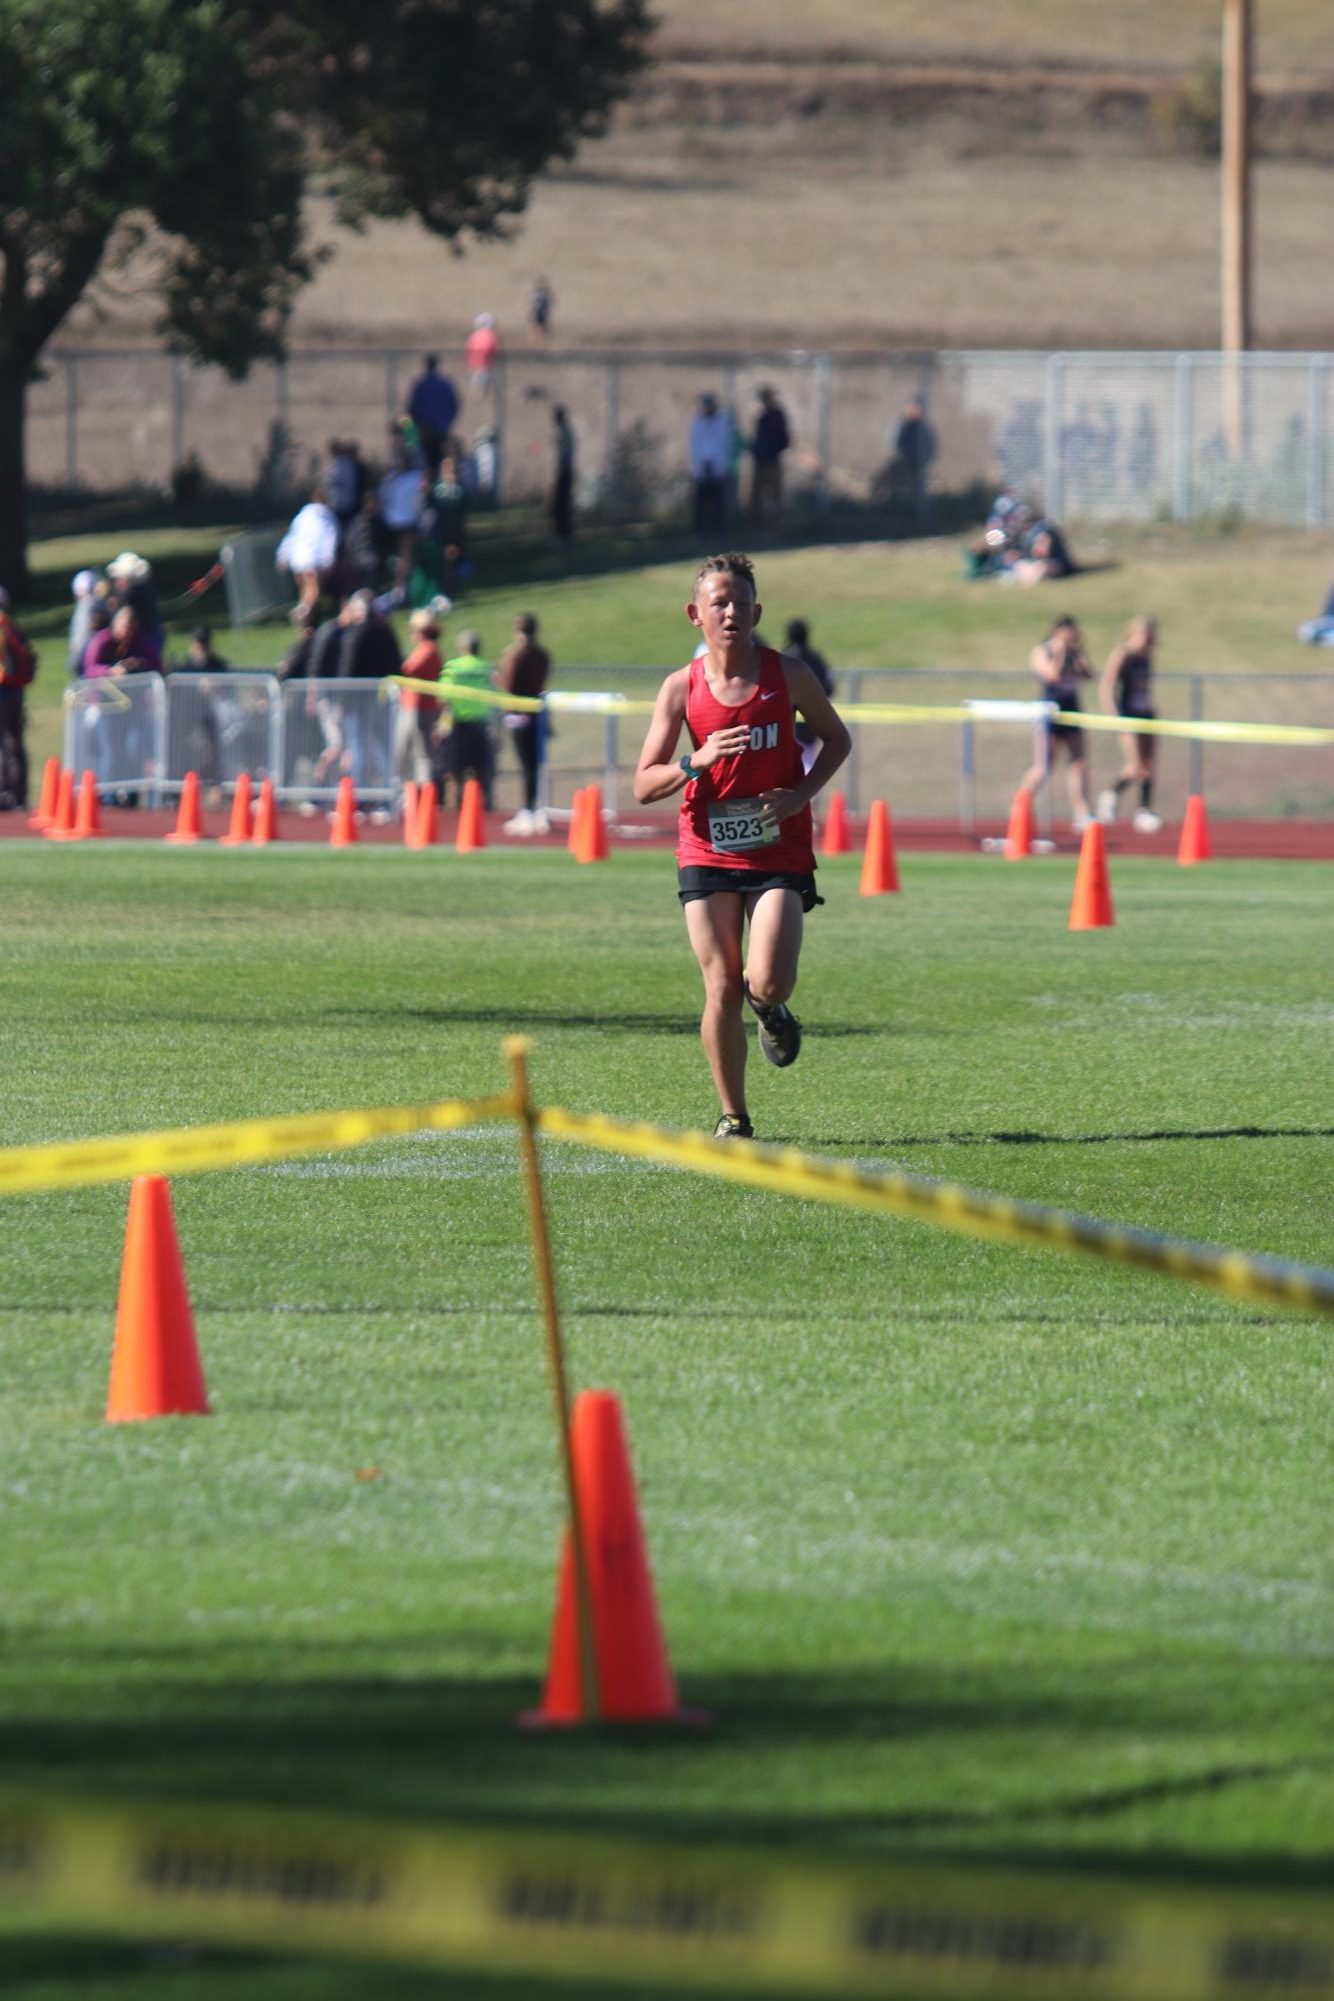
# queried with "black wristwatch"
point(688, 767)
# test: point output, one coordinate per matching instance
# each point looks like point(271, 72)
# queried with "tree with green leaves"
point(194, 125)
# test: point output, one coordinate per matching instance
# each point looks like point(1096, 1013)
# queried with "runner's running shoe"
point(780, 1031)
point(732, 1126)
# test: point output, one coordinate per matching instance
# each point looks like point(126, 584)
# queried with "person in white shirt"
point(309, 549)
point(710, 466)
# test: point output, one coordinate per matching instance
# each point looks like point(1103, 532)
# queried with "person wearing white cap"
point(132, 577)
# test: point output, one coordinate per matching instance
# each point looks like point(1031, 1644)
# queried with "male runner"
point(744, 842)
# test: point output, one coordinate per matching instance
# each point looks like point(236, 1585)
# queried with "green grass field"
point(972, 1552)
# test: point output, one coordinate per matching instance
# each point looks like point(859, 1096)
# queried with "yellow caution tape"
point(572, 1907)
point(593, 702)
point(444, 691)
point(1294, 733)
point(196, 1149)
point(1243, 1275)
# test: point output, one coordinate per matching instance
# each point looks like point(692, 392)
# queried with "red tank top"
point(773, 760)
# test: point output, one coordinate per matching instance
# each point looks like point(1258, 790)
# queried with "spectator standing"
point(344, 482)
point(525, 668)
point(797, 644)
point(402, 494)
point(467, 750)
point(126, 647)
point(309, 549)
point(1060, 664)
point(217, 717)
point(433, 404)
point(418, 713)
point(710, 464)
point(84, 588)
point(363, 555)
point(770, 440)
point(18, 664)
point(914, 449)
point(132, 577)
point(562, 490)
point(540, 301)
point(447, 524)
point(481, 352)
point(1126, 689)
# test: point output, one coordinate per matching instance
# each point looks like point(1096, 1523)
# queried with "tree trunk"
point(13, 480)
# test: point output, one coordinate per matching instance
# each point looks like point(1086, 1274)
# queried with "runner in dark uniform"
point(1126, 689)
point(744, 843)
point(1060, 664)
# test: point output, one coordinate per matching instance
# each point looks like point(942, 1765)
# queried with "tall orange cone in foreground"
point(87, 818)
point(1019, 833)
point(426, 832)
point(575, 839)
point(50, 792)
point(593, 846)
point(238, 830)
point(880, 872)
point(266, 816)
point(343, 832)
point(471, 833)
point(837, 840)
point(1195, 843)
point(411, 797)
point(189, 823)
point(155, 1370)
point(62, 820)
point(635, 1683)
point(1092, 904)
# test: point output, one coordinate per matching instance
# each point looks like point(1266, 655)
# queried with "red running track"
point(1233, 840)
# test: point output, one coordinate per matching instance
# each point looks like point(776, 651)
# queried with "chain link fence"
point(1098, 437)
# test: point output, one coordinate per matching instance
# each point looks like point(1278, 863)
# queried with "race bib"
point(737, 824)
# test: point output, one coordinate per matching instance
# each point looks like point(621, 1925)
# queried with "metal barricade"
point(116, 727)
point(219, 725)
point(330, 730)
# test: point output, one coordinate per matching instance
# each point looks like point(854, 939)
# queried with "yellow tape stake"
point(561, 1905)
point(516, 1055)
point(197, 1149)
point(1242, 1275)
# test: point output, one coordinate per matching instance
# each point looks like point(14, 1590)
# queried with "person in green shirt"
point(466, 751)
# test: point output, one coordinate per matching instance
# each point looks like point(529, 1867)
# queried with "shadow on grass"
point(1023, 1138)
point(448, 1747)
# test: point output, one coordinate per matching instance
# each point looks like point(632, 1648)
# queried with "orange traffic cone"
point(62, 822)
point(1195, 843)
point(266, 816)
point(1092, 904)
point(189, 824)
point(238, 831)
point(635, 1683)
point(50, 792)
point(426, 831)
point(410, 797)
point(578, 807)
point(87, 818)
point(343, 832)
point(472, 823)
point(880, 872)
point(1019, 833)
point(837, 840)
point(593, 845)
point(155, 1370)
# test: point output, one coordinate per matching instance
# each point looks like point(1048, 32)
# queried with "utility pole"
point(1236, 233)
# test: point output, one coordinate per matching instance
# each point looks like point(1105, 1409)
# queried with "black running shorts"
point(696, 882)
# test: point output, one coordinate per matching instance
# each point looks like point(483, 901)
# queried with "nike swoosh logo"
point(766, 694)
